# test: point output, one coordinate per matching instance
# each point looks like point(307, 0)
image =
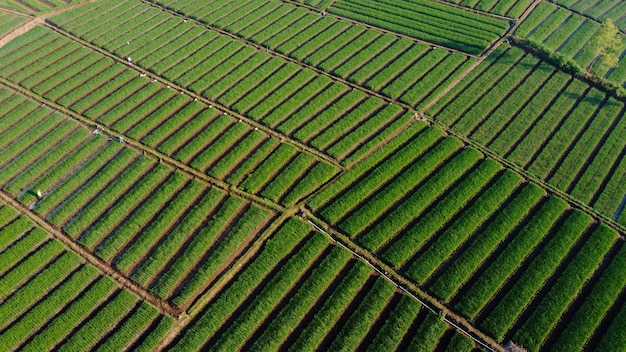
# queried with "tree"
point(606, 45)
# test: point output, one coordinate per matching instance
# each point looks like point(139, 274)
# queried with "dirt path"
point(104, 267)
point(21, 30)
point(41, 19)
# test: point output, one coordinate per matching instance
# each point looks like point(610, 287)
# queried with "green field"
point(310, 175)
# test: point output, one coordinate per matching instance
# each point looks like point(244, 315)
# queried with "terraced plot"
point(557, 127)
point(52, 299)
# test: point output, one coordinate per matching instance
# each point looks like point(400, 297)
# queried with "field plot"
point(201, 136)
point(497, 249)
point(9, 22)
point(508, 8)
point(399, 68)
point(51, 299)
point(165, 230)
point(569, 34)
point(34, 7)
point(426, 20)
point(295, 101)
point(302, 293)
point(599, 10)
point(558, 128)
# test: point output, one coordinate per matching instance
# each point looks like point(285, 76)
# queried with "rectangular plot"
point(221, 145)
point(395, 191)
point(283, 111)
point(413, 73)
point(324, 100)
point(500, 318)
point(200, 141)
point(89, 213)
point(331, 47)
point(181, 133)
point(393, 163)
point(270, 102)
point(429, 223)
point(132, 253)
point(115, 213)
point(227, 82)
point(243, 87)
point(269, 168)
point(486, 241)
point(158, 116)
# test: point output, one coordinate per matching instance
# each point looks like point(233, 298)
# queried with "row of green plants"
point(137, 107)
point(515, 300)
point(475, 253)
point(545, 316)
point(572, 124)
point(458, 231)
point(333, 46)
point(480, 291)
point(439, 24)
point(51, 299)
point(508, 8)
point(425, 225)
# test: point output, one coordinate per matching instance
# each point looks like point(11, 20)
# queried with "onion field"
point(52, 299)
point(507, 8)
point(570, 35)
point(559, 128)
point(309, 175)
point(32, 7)
point(399, 68)
point(599, 10)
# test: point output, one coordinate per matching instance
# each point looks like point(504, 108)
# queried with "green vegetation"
point(185, 156)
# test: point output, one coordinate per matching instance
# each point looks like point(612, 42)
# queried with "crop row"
point(508, 8)
point(487, 242)
point(438, 23)
point(569, 34)
point(50, 299)
point(301, 293)
point(599, 10)
point(295, 101)
point(198, 135)
point(572, 125)
point(163, 229)
point(330, 44)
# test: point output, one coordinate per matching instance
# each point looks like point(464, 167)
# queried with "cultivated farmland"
point(599, 10)
point(571, 35)
point(53, 299)
point(308, 175)
point(559, 128)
